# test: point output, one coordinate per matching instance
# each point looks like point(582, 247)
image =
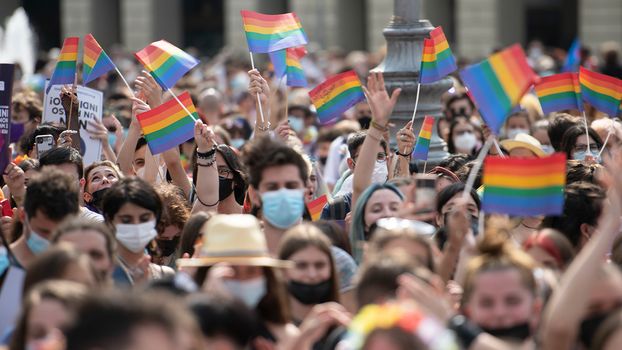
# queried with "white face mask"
point(465, 142)
point(381, 173)
point(511, 134)
point(249, 291)
point(135, 237)
point(548, 149)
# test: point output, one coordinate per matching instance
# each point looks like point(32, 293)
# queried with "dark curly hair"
point(264, 152)
point(52, 192)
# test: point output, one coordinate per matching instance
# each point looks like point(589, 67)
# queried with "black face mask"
point(323, 160)
point(310, 294)
point(519, 332)
point(364, 121)
point(239, 193)
point(167, 246)
point(97, 198)
point(589, 326)
point(225, 188)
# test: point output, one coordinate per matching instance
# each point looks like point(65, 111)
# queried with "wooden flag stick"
point(182, 105)
point(258, 99)
point(124, 81)
point(587, 133)
point(475, 169)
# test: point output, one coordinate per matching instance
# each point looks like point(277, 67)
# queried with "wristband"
point(377, 126)
point(407, 155)
point(206, 155)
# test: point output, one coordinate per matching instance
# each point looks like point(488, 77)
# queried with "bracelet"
point(203, 203)
point(206, 155)
point(465, 330)
point(266, 127)
point(209, 163)
point(407, 155)
point(377, 126)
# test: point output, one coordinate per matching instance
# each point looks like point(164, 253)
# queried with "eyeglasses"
point(225, 172)
point(583, 148)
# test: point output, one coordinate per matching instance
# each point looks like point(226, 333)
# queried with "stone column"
point(319, 19)
point(378, 15)
point(404, 36)
point(476, 27)
point(600, 21)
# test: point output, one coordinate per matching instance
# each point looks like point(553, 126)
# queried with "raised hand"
point(69, 99)
point(378, 98)
point(204, 137)
point(258, 85)
point(15, 180)
point(406, 139)
point(64, 139)
point(98, 131)
point(138, 107)
point(150, 89)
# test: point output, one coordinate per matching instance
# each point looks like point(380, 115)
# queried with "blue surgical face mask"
point(36, 243)
point(238, 143)
point(283, 208)
point(548, 149)
point(112, 138)
point(580, 155)
point(297, 124)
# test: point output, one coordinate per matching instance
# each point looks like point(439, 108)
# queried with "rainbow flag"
point(65, 71)
point(267, 33)
point(287, 62)
point(168, 125)
point(166, 62)
point(524, 186)
point(316, 206)
point(573, 58)
point(437, 60)
point(498, 83)
point(336, 95)
point(423, 141)
point(601, 91)
point(558, 92)
point(96, 61)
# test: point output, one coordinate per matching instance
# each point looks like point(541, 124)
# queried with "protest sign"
point(90, 108)
point(6, 87)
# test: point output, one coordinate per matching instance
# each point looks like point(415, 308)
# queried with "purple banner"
point(7, 72)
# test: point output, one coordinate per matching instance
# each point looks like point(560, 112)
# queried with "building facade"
point(474, 27)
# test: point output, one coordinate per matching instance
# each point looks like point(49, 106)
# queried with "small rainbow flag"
point(267, 33)
point(601, 91)
point(498, 83)
point(168, 125)
point(524, 186)
point(96, 61)
point(166, 62)
point(437, 60)
point(65, 71)
point(336, 95)
point(559, 92)
point(573, 58)
point(287, 62)
point(423, 141)
point(316, 206)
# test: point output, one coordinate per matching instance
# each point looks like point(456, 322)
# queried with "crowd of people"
point(211, 245)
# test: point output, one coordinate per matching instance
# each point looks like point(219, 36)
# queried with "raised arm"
point(207, 173)
point(172, 159)
point(259, 85)
point(405, 143)
point(126, 154)
point(569, 302)
point(381, 107)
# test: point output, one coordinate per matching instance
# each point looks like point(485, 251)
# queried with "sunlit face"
point(101, 177)
point(499, 299)
point(517, 122)
point(312, 266)
point(130, 213)
point(383, 203)
point(283, 176)
point(93, 244)
point(139, 158)
point(44, 317)
point(471, 208)
point(580, 144)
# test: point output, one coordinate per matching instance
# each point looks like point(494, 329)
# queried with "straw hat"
point(525, 141)
point(236, 239)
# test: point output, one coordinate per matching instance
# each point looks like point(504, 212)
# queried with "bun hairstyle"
point(497, 253)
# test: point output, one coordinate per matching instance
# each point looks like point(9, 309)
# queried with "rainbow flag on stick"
point(65, 71)
point(316, 206)
point(166, 62)
point(437, 60)
point(267, 33)
point(524, 186)
point(96, 61)
point(423, 141)
point(336, 95)
point(558, 92)
point(601, 91)
point(169, 124)
point(498, 83)
point(287, 62)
